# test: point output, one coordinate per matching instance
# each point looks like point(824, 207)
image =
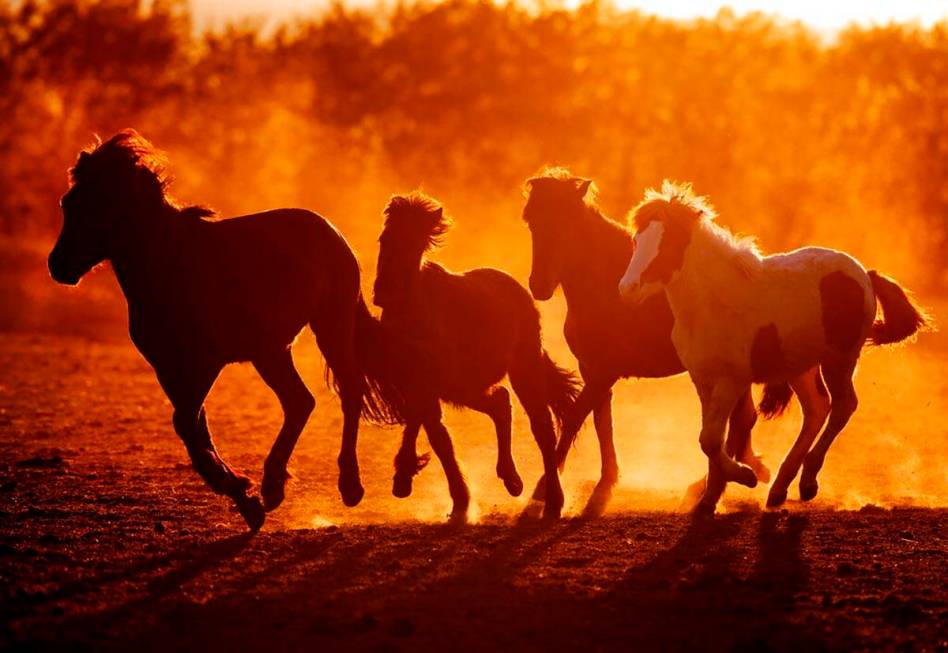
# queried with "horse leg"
point(609, 476)
point(532, 395)
point(589, 397)
point(717, 403)
point(814, 401)
point(335, 335)
point(738, 443)
point(495, 403)
point(738, 446)
point(440, 441)
point(843, 403)
point(187, 389)
point(407, 461)
point(278, 372)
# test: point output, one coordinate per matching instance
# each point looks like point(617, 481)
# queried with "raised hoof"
point(745, 476)
point(760, 469)
point(401, 486)
point(776, 499)
point(514, 484)
point(251, 509)
point(808, 490)
point(351, 491)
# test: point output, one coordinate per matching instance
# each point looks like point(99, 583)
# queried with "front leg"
point(592, 395)
point(718, 398)
point(187, 388)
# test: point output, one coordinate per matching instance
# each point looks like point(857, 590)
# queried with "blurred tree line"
point(796, 136)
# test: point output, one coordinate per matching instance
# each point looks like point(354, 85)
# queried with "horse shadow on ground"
point(719, 586)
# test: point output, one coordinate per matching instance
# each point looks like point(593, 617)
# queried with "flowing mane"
point(421, 214)
point(677, 203)
point(129, 154)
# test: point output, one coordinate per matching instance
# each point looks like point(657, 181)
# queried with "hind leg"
point(814, 402)
point(280, 374)
point(532, 395)
point(407, 461)
point(440, 441)
point(187, 388)
point(495, 403)
point(843, 403)
point(335, 336)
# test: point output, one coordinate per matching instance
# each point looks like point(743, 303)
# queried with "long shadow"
point(693, 596)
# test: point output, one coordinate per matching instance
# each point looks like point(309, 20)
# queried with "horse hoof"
point(552, 512)
point(273, 492)
point(252, 510)
point(272, 497)
point(760, 470)
point(401, 486)
point(514, 484)
point(745, 476)
point(457, 517)
point(776, 499)
point(351, 492)
point(703, 511)
point(808, 489)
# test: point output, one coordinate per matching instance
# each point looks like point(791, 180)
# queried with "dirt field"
point(108, 540)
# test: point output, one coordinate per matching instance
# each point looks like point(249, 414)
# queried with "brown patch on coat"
point(766, 355)
point(842, 300)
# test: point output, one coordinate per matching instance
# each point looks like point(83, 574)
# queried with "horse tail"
point(776, 398)
point(382, 401)
point(562, 388)
point(902, 317)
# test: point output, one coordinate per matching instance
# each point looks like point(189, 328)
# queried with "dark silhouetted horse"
point(576, 246)
point(204, 293)
point(472, 329)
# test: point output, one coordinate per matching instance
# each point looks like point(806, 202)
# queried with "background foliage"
point(797, 136)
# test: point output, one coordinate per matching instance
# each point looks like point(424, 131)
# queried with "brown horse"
point(471, 330)
point(203, 293)
point(575, 245)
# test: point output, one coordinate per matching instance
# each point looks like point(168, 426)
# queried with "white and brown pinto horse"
point(740, 318)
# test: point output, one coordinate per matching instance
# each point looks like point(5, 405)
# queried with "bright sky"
point(822, 14)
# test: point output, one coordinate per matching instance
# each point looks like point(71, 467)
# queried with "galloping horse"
point(471, 330)
point(203, 293)
point(741, 318)
point(575, 245)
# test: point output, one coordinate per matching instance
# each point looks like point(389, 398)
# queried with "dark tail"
point(776, 398)
point(562, 388)
point(382, 402)
point(902, 317)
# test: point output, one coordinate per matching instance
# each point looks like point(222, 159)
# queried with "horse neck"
point(715, 274)
point(140, 250)
point(598, 259)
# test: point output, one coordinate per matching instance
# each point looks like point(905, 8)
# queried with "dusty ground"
point(108, 540)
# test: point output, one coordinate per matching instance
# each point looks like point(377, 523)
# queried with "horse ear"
point(582, 186)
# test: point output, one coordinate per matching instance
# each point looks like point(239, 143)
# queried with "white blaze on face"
point(647, 243)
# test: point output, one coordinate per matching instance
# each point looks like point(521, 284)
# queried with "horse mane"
point(420, 213)
point(128, 152)
point(678, 204)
